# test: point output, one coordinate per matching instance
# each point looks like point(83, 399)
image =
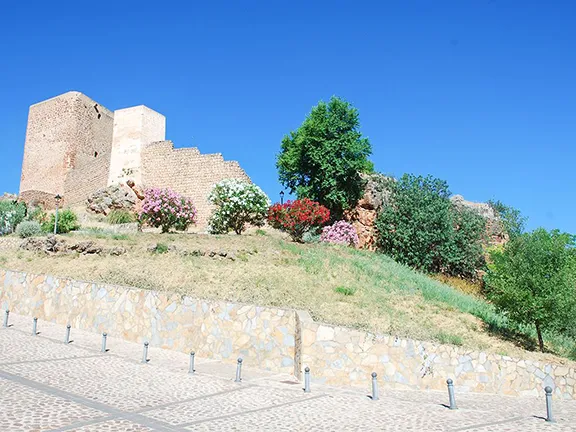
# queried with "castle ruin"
point(75, 146)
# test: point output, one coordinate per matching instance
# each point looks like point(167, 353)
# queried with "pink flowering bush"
point(340, 232)
point(166, 209)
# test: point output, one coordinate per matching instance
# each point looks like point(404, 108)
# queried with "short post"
point(451, 394)
point(191, 368)
point(549, 416)
point(145, 353)
point(239, 371)
point(307, 380)
point(67, 338)
point(375, 386)
point(104, 336)
point(6, 313)
point(35, 326)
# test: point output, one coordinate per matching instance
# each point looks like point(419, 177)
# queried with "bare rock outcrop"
point(8, 197)
point(53, 245)
point(495, 232)
point(115, 197)
point(363, 216)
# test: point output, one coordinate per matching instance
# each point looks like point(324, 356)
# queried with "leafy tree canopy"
point(423, 229)
point(512, 219)
point(532, 279)
point(322, 159)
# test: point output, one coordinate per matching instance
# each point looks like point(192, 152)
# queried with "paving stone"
point(46, 385)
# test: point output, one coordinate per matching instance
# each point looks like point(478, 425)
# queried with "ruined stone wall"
point(67, 148)
point(188, 172)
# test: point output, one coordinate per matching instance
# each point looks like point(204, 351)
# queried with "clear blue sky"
point(481, 93)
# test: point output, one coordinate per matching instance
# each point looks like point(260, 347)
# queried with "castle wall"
point(67, 148)
point(187, 172)
point(133, 128)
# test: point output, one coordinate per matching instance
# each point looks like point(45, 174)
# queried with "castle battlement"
point(75, 146)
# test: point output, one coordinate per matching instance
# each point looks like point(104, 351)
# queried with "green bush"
point(11, 214)
point(67, 221)
point(423, 229)
point(29, 228)
point(116, 217)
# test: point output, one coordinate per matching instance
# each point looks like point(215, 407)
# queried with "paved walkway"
point(46, 385)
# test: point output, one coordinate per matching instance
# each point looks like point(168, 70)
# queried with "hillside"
point(337, 285)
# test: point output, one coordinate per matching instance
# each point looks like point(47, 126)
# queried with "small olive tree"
point(532, 280)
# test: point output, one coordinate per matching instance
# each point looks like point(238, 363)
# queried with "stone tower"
point(134, 128)
point(67, 149)
point(74, 146)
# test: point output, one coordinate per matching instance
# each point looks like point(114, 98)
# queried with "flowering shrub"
point(166, 209)
point(238, 203)
point(11, 214)
point(298, 217)
point(340, 232)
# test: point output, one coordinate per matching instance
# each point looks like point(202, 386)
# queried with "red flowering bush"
point(297, 217)
point(166, 209)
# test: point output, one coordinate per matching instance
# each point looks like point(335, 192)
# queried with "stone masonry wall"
point(220, 330)
point(134, 128)
point(188, 172)
point(67, 148)
point(276, 339)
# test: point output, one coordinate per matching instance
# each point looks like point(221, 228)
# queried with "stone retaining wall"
point(275, 339)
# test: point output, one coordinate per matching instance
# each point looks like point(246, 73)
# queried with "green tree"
point(532, 280)
point(421, 227)
point(322, 160)
point(512, 219)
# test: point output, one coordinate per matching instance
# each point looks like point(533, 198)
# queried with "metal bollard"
point(104, 336)
point(191, 368)
point(145, 353)
point(451, 394)
point(307, 380)
point(549, 416)
point(67, 338)
point(35, 326)
point(239, 371)
point(375, 386)
point(6, 313)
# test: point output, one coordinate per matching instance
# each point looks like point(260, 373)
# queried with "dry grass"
point(337, 285)
point(463, 285)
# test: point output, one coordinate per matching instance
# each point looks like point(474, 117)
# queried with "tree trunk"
point(540, 340)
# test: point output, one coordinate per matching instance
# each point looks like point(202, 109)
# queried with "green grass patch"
point(347, 291)
point(449, 339)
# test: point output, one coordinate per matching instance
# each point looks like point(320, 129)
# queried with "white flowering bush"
point(340, 232)
point(238, 204)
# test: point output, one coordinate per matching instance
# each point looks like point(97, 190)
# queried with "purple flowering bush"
point(340, 232)
point(166, 209)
